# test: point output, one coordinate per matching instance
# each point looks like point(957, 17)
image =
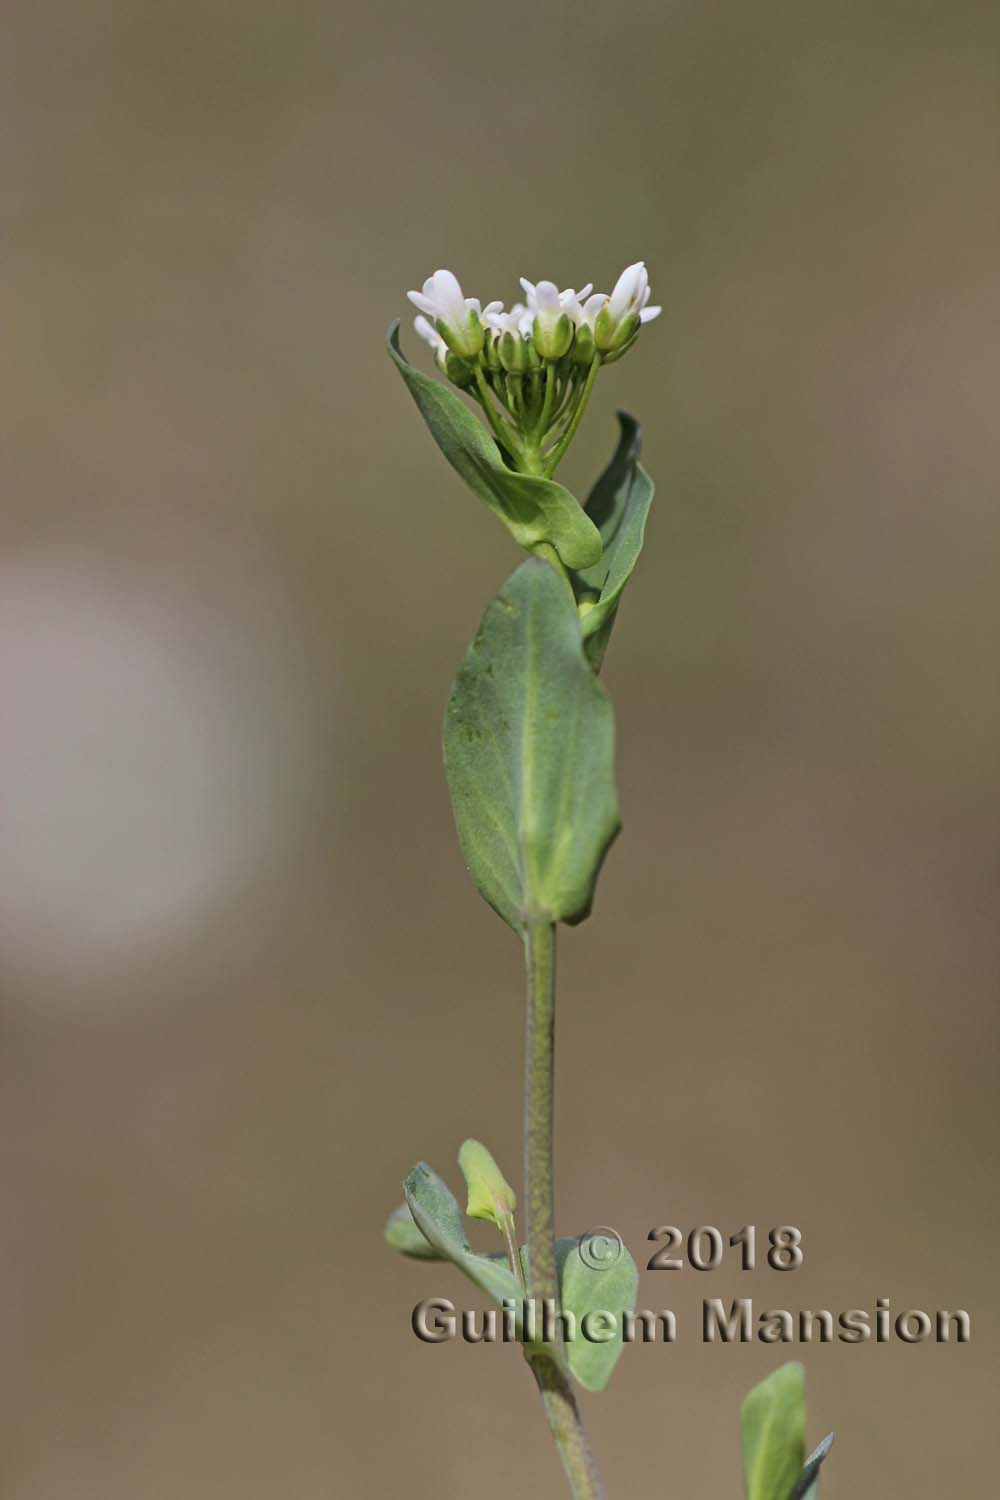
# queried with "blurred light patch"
point(145, 765)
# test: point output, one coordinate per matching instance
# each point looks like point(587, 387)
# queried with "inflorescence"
point(532, 368)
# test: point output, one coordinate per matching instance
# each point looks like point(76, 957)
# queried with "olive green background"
point(245, 980)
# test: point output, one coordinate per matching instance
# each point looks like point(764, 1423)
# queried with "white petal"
point(529, 286)
point(426, 331)
point(627, 291)
point(448, 293)
point(649, 313)
point(585, 291)
point(425, 304)
point(547, 297)
point(491, 308)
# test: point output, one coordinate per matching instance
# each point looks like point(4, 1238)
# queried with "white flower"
point(566, 298)
point(631, 295)
point(516, 322)
point(618, 322)
point(457, 318)
point(551, 325)
point(585, 306)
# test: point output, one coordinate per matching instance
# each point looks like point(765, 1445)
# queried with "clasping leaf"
point(618, 505)
point(594, 1291)
point(529, 755)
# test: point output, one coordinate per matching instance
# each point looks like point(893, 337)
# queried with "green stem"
point(546, 412)
point(502, 432)
point(551, 556)
point(543, 1284)
point(513, 1254)
point(554, 457)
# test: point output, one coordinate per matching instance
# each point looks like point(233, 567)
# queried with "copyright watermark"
point(601, 1248)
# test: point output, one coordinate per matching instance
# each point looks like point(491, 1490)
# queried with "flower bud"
point(490, 1195)
point(514, 353)
point(491, 351)
point(583, 345)
point(552, 336)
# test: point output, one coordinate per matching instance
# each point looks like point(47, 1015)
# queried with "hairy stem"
point(543, 1285)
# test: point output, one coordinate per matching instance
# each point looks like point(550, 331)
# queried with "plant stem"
point(567, 1429)
point(543, 1284)
point(542, 426)
point(546, 550)
point(567, 437)
point(501, 430)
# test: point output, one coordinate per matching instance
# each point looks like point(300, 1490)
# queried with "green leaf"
point(533, 509)
point(529, 755)
point(618, 505)
point(773, 1421)
point(585, 1289)
point(807, 1484)
point(436, 1212)
point(402, 1234)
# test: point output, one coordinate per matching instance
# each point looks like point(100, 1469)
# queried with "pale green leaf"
point(437, 1214)
point(773, 1421)
point(402, 1234)
point(587, 1291)
point(529, 755)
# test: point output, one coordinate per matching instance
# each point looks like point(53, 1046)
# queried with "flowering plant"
point(529, 750)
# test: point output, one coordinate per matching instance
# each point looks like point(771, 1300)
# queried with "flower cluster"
point(538, 359)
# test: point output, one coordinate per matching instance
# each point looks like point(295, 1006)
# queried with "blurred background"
point(245, 979)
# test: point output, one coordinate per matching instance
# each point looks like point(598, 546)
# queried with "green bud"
point(604, 328)
point(491, 352)
point(553, 341)
point(583, 346)
point(514, 353)
point(490, 1195)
